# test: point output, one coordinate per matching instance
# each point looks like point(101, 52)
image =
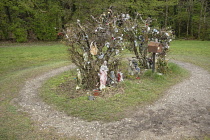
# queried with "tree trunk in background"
point(179, 29)
point(166, 14)
point(204, 21)
point(201, 17)
point(188, 19)
point(187, 33)
point(8, 14)
point(190, 13)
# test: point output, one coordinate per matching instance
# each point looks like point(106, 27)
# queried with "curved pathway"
point(184, 111)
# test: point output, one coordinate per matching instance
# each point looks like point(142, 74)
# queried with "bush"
point(20, 35)
point(45, 33)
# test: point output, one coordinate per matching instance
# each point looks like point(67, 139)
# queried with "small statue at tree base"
point(131, 68)
point(112, 78)
point(79, 79)
point(120, 77)
point(103, 75)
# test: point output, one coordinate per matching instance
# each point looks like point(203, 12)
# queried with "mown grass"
point(137, 92)
point(195, 52)
point(23, 57)
point(20, 62)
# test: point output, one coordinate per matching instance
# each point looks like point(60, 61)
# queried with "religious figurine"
point(103, 75)
point(137, 70)
point(120, 77)
point(79, 79)
point(101, 56)
point(131, 68)
point(113, 77)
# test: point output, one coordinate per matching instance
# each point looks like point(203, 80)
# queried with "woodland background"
point(29, 20)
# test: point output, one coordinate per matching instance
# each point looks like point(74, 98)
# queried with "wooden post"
point(153, 66)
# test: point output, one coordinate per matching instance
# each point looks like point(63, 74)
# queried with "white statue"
point(103, 75)
point(79, 79)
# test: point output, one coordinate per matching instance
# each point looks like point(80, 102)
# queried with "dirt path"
point(184, 111)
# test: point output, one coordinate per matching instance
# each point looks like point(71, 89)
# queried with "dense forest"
point(25, 20)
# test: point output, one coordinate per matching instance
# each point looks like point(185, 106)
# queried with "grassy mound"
point(114, 103)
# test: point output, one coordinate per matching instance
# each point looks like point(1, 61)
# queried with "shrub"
point(20, 35)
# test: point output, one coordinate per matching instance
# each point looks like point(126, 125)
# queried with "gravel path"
point(184, 111)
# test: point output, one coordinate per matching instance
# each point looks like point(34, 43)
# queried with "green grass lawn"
point(19, 62)
point(17, 58)
point(195, 52)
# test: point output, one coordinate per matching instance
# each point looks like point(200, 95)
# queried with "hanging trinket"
point(107, 44)
point(148, 28)
point(87, 66)
point(135, 43)
point(127, 16)
point(156, 40)
point(99, 29)
point(123, 16)
point(167, 46)
point(85, 37)
point(109, 13)
point(155, 31)
point(117, 52)
point(113, 38)
point(85, 56)
point(119, 39)
point(93, 48)
point(101, 56)
point(102, 17)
